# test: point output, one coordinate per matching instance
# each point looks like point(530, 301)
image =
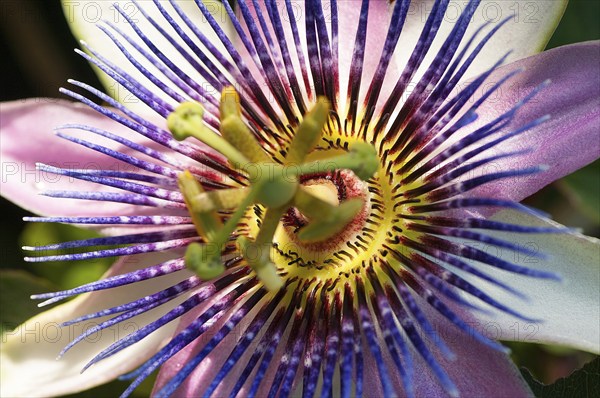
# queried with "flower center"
point(356, 246)
point(321, 193)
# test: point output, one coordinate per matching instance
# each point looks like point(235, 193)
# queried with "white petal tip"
point(49, 301)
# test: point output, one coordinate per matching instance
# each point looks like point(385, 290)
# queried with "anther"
point(276, 188)
point(223, 199)
point(258, 253)
point(187, 121)
point(308, 133)
point(206, 221)
point(260, 261)
point(204, 260)
point(235, 131)
point(326, 220)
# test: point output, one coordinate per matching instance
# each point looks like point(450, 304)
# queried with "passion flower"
point(321, 213)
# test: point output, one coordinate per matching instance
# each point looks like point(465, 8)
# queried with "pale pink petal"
point(202, 376)
point(28, 138)
point(380, 13)
point(28, 353)
point(565, 143)
point(477, 370)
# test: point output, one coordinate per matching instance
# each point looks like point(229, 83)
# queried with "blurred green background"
point(37, 59)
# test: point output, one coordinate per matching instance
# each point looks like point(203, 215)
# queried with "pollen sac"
point(218, 200)
point(259, 259)
point(308, 133)
point(186, 120)
point(207, 222)
point(204, 260)
point(235, 131)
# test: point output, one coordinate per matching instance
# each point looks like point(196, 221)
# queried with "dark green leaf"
point(583, 383)
point(15, 288)
point(583, 189)
point(65, 274)
point(579, 23)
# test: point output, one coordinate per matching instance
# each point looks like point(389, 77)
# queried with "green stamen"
point(310, 205)
point(257, 253)
point(276, 188)
point(362, 160)
point(187, 121)
point(222, 237)
point(234, 130)
point(204, 260)
point(309, 132)
point(207, 223)
point(219, 200)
